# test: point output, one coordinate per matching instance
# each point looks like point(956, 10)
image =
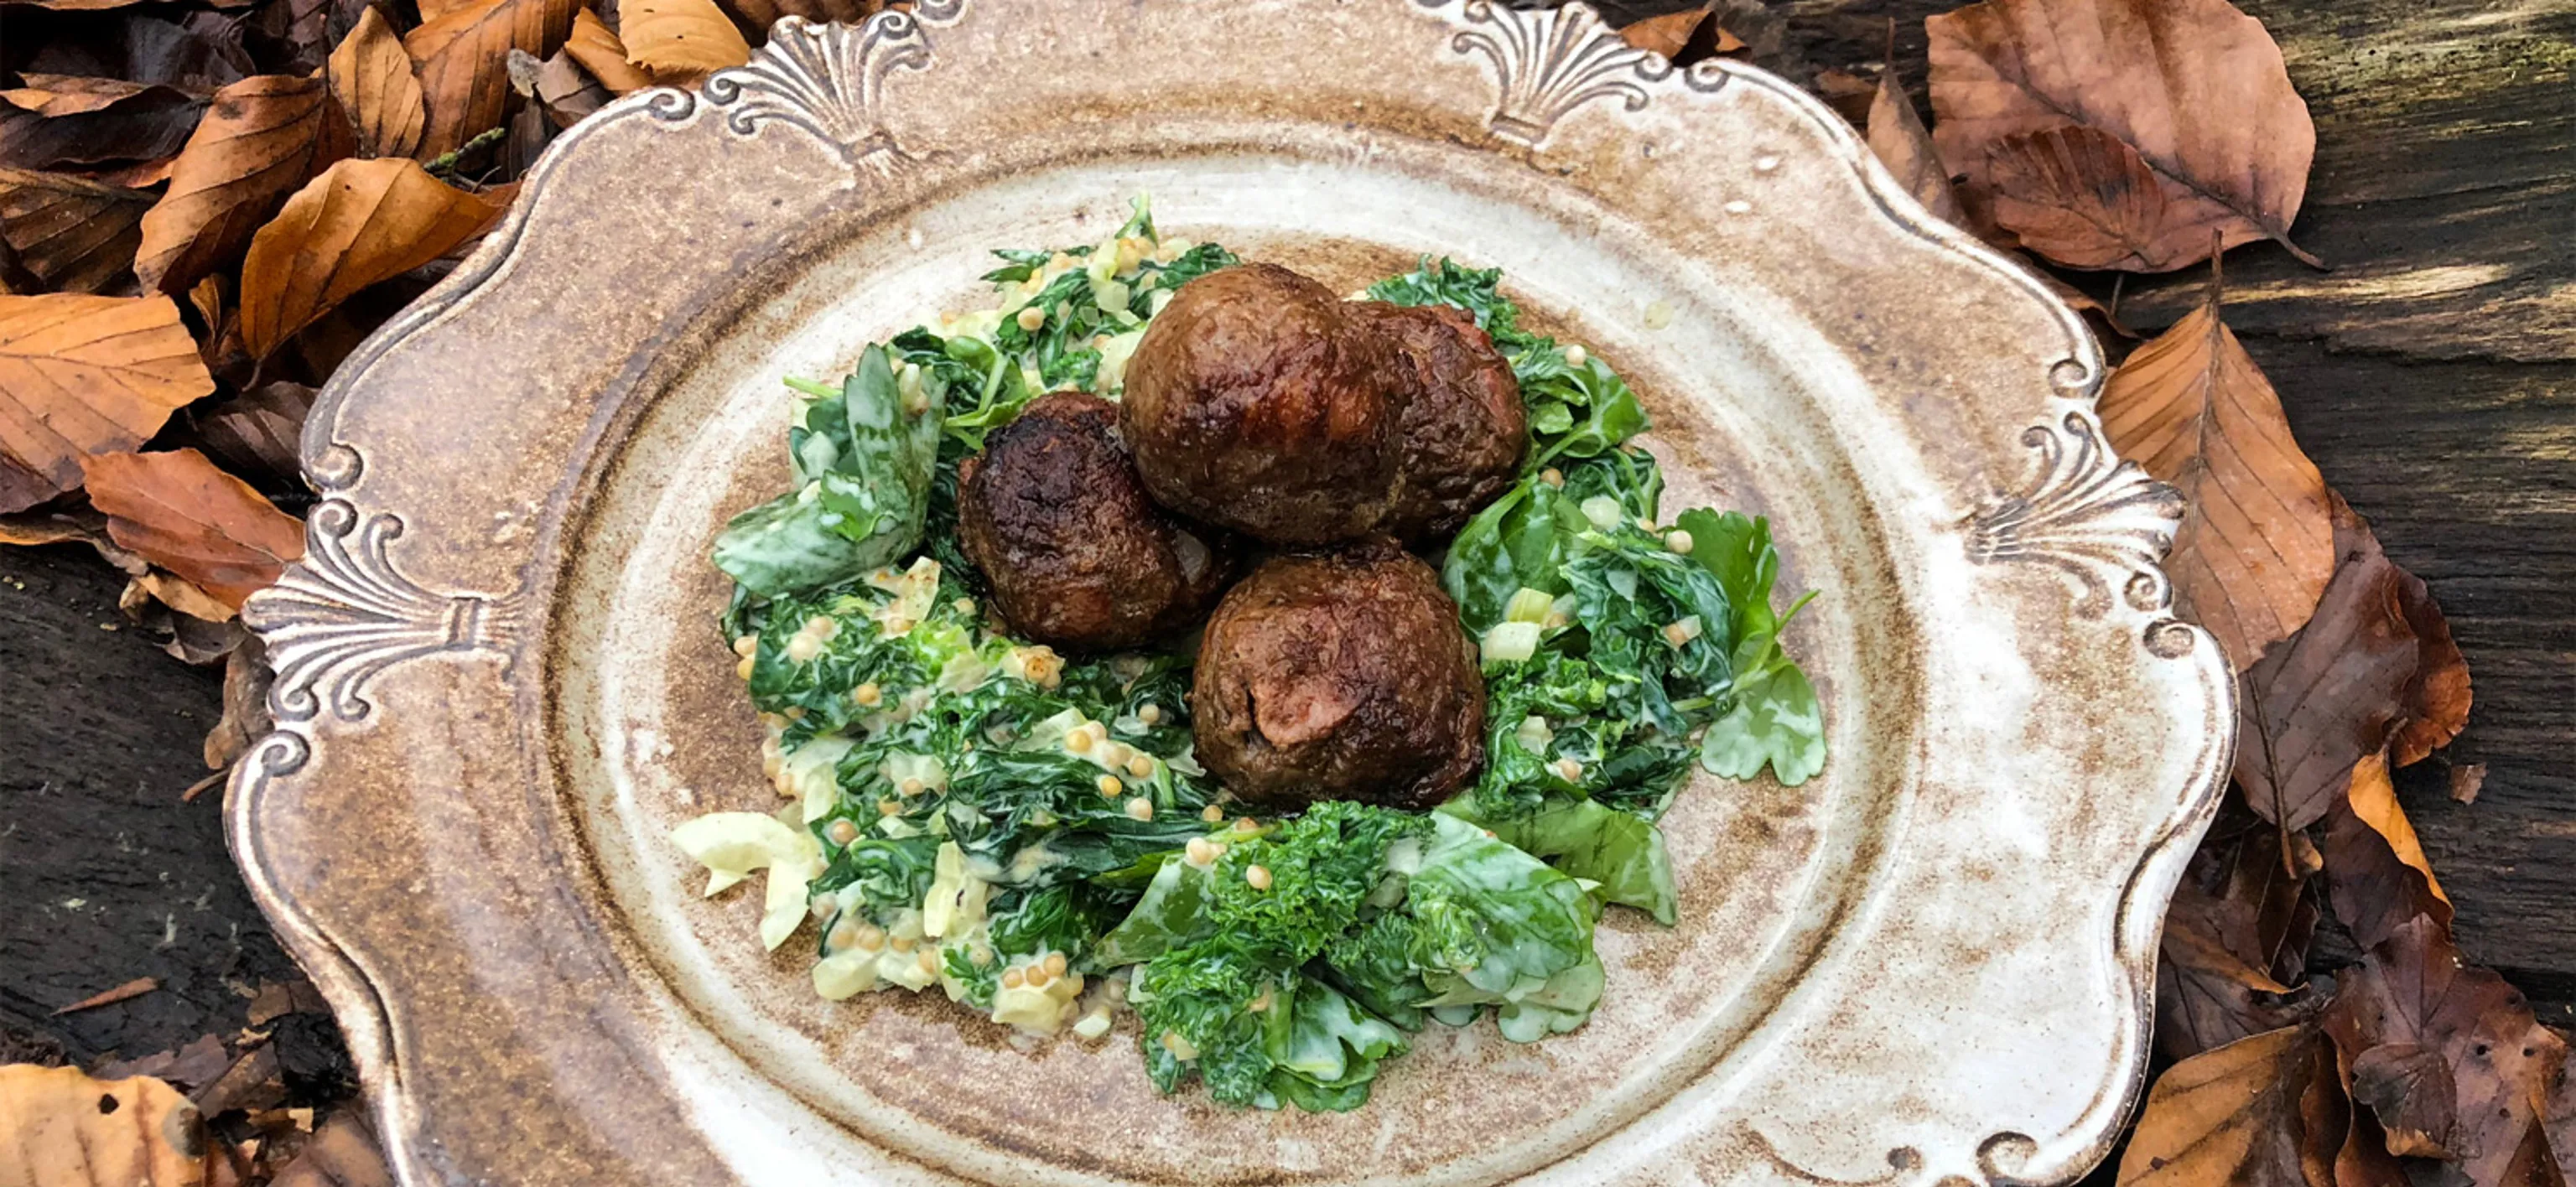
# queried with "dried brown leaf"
point(372, 78)
point(182, 595)
point(1665, 34)
point(343, 1153)
point(2080, 197)
point(203, 1059)
point(262, 138)
point(1904, 145)
point(362, 221)
point(2235, 941)
point(761, 14)
point(245, 719)
point(2196, 87)
point(2412, 992)
point(679, 36)
point(2466, 780)
point(2263, 1111)
point(257, 434)
point(185, 515)
point(2256, 545)
point(126, 992)
point(59, 1128)
point(82, 375)
point(90, 121)
point(2436, 699)
point(2376, 882)
point(2374, 803)
point(596, 47)
point(74, 234)
point(2317, 704)
point(567, 91)
point(254, 1081)
point(459, 57)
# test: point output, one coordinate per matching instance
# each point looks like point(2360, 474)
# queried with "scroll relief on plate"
point(2097, 519)
point(342, 615)
point(1549, 61)
point(826, 79)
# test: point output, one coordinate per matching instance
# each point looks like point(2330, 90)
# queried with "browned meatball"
point(1460, 440)
point(1339, 676)
point(1076, 556)
point(1253, 404)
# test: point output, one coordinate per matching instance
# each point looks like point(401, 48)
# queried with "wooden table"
point(2432, 374)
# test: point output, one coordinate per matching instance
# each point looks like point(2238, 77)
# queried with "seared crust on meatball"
point(1074, 553)
point(1339, 676)
point(1252, 403)
point(1463, 431)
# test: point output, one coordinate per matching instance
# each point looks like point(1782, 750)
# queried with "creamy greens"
point(1032, 836)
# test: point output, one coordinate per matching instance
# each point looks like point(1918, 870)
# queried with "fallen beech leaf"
point(2374, 802)
point(254, 1081)
point(1665, 34)
point(75, 234)
point(2374, 890)
point(2364, 1160)
point(2412, 992)
point(81, 525)
point(245, 719)
point(2466, 779)
point(2080, 197)
point(59, 1128)
point(2534, 1164)
point(372, 78)
point(2258, 1112)
point(185, 515)
point(261, 139)
point(182, 596)
point(128, 991)
point(596, 47)
point(2409, 1090)
point(2318, 703)
point(761, 14)
point(2196, 87)
point(2256, 544)
point(568, 92)
point(82, 375)
point(1896, 133)
point(679, 35)
point(2436, 699)
point(1847, 93)
point(257, 434)
point(343, 1153)
point(2235, 941)
point(89, 121)
point(458, 55)
point(360, 222)
point(203, 1059)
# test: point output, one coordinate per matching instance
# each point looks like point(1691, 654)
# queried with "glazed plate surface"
point(500, 683)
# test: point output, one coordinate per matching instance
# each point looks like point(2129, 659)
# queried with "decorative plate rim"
point(347, 610)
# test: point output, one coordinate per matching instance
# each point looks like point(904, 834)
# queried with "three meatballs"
point(1259, 402)
point(1075, 555)
point(1339, 676)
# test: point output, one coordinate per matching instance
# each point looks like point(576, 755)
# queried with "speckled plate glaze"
point(499, 683)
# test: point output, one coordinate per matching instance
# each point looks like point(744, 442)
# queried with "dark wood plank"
point(105, 875)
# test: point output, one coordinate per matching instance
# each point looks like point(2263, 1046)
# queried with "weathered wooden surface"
point(105, 875)
point(2432, 375)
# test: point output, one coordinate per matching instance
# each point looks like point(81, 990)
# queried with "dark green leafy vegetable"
point(863, 464)
point(959, 811)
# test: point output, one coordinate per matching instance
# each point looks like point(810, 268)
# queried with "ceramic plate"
point(500, 683)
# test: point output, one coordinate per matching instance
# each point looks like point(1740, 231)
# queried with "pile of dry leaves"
point(206, 204)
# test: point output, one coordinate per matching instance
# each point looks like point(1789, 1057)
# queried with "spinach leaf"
point(1594, 842)
point(865, 485)
point(1324, 1049)
point(1775, 720)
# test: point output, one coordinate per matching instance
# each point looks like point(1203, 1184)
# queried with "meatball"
point(1339, 676)
point(1254, 403)
point(1074, 553)
point(1463, 430)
